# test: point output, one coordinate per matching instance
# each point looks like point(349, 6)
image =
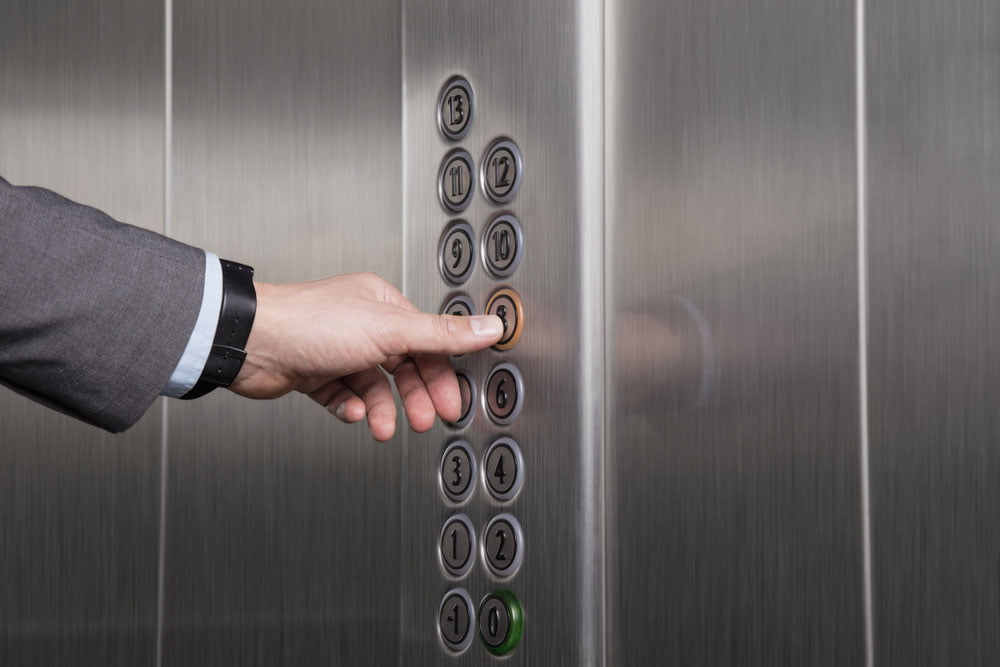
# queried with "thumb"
point(424, 333)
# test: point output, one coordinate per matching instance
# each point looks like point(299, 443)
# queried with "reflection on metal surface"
point(81, 113)
point(732, 528)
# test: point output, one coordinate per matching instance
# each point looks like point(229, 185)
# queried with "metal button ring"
point(457, 252)
point(456, 180)
point(456, 108)
point(503, 243)
point(502, 171)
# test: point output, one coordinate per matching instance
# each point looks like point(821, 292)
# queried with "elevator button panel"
point(503, 545)
point(456, 252)
point(455, 619)
point(457, 545)
point(455, 180)
point(501, 171)
point(506, 304)
point(503, 469)
point(467, 391)
point(504, 393)
point(458, 466)
point(456, 108)
point(501, 622)
point(478, 537)
point(502, 245)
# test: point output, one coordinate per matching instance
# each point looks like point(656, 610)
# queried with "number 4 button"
point(503, 469)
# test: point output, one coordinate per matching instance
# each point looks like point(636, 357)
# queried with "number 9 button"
point(456, 252)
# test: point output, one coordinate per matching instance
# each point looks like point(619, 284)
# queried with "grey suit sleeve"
point(94, 314)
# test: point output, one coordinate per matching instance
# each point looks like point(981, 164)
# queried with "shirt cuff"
point(192, 363)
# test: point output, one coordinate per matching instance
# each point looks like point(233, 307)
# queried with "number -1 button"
point(455, 619)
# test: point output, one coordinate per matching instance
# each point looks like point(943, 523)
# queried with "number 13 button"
point(503, 469)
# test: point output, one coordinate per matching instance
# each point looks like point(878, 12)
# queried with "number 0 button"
point(504, 393)
point(503, 469)
point(455, 180)
point(458, 465)
point(503, 545)
point(501, 622)
point(502, 171)
point(455, 619)
point(502, 245)
point(506, 304)
point(456, 253)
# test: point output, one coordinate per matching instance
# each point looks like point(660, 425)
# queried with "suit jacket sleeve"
point(94, 314)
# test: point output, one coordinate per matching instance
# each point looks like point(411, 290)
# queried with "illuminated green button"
point(501, 622)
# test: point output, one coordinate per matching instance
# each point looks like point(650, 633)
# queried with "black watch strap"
point(239, 304)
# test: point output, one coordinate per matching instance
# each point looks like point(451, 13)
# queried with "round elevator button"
point(457, 544)
point(458, 465)
point(506, 304)
point(455, 619)
point(456, 252)
point(460, 305)
point(501, 622)
point(455, 180)
point(504, 393)
point(503, 545)
point(456, 107)
point(501, 171)
point(502, 245)
point(467, 390)
point(503, 469)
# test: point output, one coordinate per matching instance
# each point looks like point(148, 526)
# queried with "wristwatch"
point(239, 304)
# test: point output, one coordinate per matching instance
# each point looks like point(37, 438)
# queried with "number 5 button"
point(506, 304)
point(503, 469)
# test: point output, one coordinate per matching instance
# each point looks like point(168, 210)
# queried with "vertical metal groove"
point(168, 34)
point(862, 213)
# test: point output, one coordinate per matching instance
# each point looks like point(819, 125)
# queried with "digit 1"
point(494, 622)
point(454, 619)
point(454, 544)
point(456, 182)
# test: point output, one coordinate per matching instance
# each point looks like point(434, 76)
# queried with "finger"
point(372, 386)
point(441, 384)
point(416, 401)
point(424, 333)
point(340, 400)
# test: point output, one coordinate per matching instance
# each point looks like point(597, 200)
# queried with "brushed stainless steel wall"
point(733, 479)
point(81, 112)
point(536, 72)
point(934, 238)
point(282, 544)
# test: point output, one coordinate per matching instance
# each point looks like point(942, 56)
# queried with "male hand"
point(333, 338)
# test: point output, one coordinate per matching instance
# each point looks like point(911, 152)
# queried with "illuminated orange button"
point(506, 304)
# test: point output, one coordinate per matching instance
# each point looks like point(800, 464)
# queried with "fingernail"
point(340, 411)
point(487, 326)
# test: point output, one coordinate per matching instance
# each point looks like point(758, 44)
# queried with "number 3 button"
point(504, 393)
point(456, 253)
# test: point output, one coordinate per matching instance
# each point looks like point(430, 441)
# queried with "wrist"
point(260, 376)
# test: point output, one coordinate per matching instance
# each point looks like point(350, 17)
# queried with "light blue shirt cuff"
point(195, 355)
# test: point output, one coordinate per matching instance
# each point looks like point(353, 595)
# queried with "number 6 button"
point(504, 393)
point(503, 545)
